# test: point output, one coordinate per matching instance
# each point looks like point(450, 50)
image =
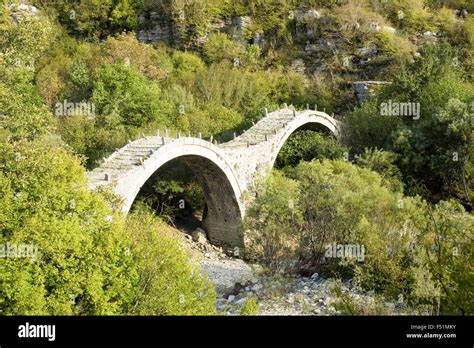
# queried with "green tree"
point(219, 47)
point(123, 97)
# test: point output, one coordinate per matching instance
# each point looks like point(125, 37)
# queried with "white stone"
point(199, 236)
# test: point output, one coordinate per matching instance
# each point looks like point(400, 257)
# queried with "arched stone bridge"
point(227, 171)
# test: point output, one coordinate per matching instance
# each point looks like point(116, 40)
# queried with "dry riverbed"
point(276, 294)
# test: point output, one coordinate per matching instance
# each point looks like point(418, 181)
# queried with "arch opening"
point(309, 141)
point(212, 204)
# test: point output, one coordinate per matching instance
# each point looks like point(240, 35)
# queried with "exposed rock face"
point(20, 10)
point(30, 9)
point(240, 25)
point(159, 29)
point(365, 89)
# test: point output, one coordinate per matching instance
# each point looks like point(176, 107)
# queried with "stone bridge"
point(226, 171)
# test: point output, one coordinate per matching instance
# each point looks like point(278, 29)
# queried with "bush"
point(382, 162)
point(81, 267)
point(410, 249)
point(126, 48)
point(272, 224)
point(243, 91)
point(23, 116)
point(88, 261)
point(430, 141)
point(168, 284)
point(250, 307)
point(122, 96)
point(186, 65)
point(446, 249)
point(219, 47)
point(335, 202)
point(213, 120)
point(24, 40)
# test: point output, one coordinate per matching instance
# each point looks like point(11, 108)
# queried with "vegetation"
point(401, 186)
point(295, 219)
point(250, 307)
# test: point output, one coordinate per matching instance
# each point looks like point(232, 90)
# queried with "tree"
point(219, 47)
point(123, 96)
point(85, 258)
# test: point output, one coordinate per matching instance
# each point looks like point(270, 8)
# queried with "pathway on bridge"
point(135, 153)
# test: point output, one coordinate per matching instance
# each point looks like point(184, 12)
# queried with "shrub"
point(23, 115)
point(81, 267)
point(242, 91)
point(168, 283)
point(250, 307)
point(272, 223)
point(382, 162)
point(446, 249)
point(126, 48)
point(186, 65)
point(336, 202)
point(122, 96)
point(213, 120)
point(219, 47)
point(24, 40)
point(89, 261)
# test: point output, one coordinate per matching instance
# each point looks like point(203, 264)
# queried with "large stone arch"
point(221, 187)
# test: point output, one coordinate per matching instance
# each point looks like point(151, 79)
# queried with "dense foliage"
point(213, 69)
point(408, 245)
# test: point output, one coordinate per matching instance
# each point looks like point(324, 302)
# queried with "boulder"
point(199, 236)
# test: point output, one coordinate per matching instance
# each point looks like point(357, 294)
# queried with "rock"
point(368, 51)
point(241, 301)
point(207, 255)
point(199, 236)
point(312, 14)
point(231, 298)
point(388, 29)
point(314, 276)
point(462, 13)
point(257, 287)
point(373, 25)
point(311, 47)
point(247, 289)
point(298, 65)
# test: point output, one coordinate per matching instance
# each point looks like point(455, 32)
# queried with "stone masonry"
point(227, 171)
